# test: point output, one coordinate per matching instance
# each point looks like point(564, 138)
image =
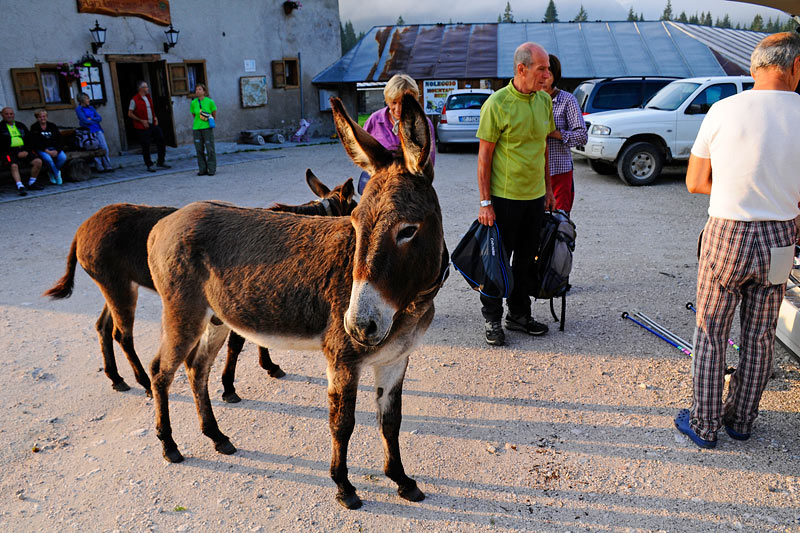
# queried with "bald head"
point(526, 53)
point(8, 115)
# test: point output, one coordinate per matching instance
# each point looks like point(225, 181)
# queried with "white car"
point(636, 143)
point(460, 117)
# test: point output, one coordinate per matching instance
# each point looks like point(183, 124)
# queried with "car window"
point(651, 87)
point(466, 101)
point(581, 93)
point(672, 96)
point(710, 95)
point(747, 85)
point(618, 95)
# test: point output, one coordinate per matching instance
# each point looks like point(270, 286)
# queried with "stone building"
point(257, 58)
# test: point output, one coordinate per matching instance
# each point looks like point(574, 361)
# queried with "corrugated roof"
point(586, 50)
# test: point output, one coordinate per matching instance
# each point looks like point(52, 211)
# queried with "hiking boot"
point(35, 187)
point(495, 336)
point(526, 324)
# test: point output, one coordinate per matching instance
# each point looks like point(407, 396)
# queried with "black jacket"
point(5, 137)
point(49, 138)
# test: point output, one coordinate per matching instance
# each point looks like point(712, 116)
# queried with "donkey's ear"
point(415, 137)
point(362, 147)
point(316, 186)
point(348, 189)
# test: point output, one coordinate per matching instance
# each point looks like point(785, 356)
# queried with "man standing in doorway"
point(514, 181)
point(143, 115)
point(745, 157)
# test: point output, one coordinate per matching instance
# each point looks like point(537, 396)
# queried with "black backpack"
point(549, 276)
point(480, 258)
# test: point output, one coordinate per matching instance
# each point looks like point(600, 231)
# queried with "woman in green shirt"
point(204, 111)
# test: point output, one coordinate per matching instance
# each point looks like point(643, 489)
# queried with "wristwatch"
point(486, 203)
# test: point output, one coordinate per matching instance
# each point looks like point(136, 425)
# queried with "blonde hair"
point(398, 85)
point(39, 112)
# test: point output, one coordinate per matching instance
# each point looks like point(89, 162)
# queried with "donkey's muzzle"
point(369, 316)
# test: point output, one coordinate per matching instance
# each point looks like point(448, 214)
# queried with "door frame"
point(121, 107)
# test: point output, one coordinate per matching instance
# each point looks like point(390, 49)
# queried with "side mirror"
point(694, 109)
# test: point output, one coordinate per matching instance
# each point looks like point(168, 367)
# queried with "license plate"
point(468, 119)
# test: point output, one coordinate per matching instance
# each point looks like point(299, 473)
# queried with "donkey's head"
point(339, 201)
point(400, 253)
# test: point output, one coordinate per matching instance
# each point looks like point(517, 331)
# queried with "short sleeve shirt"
point(206, 105)
point(518, 124)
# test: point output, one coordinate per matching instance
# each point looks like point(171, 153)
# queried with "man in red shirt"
point(142, 113)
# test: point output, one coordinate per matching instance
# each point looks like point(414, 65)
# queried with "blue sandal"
point(732, 433)
point(683, 423)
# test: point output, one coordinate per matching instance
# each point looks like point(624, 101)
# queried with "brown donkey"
point(361, 289)
point(111, 246)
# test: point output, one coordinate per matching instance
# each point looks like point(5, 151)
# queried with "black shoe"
point(163, 165)
point(493, 331)
point(201, 173)
point(211, 173)
point(21, 191)
point(35, 186)
point(526, 324)
point(107, 170)
point(151, 169)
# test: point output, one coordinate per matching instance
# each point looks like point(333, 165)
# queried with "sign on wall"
point(153, 10)
point(434, 93)
point(253, 90)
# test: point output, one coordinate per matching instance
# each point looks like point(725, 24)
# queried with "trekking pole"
point(690, 307)
point(664, 330)
point(656, 333)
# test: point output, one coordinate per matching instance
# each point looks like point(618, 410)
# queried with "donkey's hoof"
point(349, 501)
point(173, 456)
point(276, 372)
point(412, 493)
point(225, 447)
point(120, 386)
point(230, 397)
point(148, 392)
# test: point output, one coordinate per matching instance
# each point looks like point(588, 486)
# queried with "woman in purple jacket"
point(90, 119)
point(382, 124)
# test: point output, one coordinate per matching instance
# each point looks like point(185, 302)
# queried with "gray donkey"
point(360, 289)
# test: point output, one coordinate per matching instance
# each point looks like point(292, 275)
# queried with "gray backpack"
point(549, 277)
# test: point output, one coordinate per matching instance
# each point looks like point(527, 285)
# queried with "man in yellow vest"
point(14, 149)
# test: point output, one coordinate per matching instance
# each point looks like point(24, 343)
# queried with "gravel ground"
point(569, 432)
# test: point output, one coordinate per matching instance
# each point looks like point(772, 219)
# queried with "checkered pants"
point(734, 266)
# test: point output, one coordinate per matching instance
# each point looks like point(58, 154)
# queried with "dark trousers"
point(152, 134)
point(520, 223)
point(206, 152)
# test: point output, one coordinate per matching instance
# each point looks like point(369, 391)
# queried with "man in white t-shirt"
point(747, 157)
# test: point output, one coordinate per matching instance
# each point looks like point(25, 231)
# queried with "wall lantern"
point(98, 37)
point(172, 38)
point(290, 5)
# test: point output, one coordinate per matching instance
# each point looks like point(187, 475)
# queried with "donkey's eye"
point(406, 234)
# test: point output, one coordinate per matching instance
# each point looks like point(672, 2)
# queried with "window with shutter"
point(278, 75)
point(178, 79)
point(27, 88)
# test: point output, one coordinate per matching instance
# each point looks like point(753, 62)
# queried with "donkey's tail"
point(63, 288)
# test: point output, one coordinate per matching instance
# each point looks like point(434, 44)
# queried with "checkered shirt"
point(569, 121)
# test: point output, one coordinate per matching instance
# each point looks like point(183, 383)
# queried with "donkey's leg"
point(180, 337)
point(388, 396)
point(235, 344)
point(121, 300)
point(105, 328)
point(198, 366)
point(266, 363)
point(342, 389)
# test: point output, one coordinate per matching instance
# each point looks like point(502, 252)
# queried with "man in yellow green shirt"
point(14, 150)
point(514, 181)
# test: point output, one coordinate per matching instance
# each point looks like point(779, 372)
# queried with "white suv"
point(636, 143)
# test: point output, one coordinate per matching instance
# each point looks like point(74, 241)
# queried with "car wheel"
point(442, 147)
point(602, 167)
point(640, 164)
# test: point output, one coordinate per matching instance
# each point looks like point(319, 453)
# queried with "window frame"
point(99, 66)
point(281, 73)
point(182, 77)
point(64, 88)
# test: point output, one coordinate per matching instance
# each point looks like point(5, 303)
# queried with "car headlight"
point(598, 129)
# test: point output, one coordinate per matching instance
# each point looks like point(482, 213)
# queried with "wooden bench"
point(77, 167)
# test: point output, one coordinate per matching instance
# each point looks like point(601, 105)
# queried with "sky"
point(367, 13)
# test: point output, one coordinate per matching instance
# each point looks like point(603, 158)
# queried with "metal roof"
point(586, 50)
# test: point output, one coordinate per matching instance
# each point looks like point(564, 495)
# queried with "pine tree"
point(726, 22)
point(758, 23)
point(708, 21)
point(682, 17)
point(694, 19)
point(582, 16)
point(499, 18)
point(641, 16)
point(631, 15)
point(349, 38)
point(551, 14)
point(400, 21)
point(667, 14)
point(508, 16)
